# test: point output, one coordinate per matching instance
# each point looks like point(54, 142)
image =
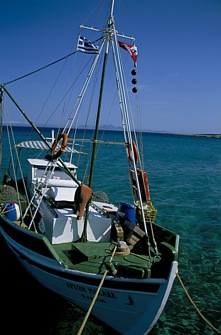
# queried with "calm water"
point(185, 182)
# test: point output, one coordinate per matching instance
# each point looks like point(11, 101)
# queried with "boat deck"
point(95, 258)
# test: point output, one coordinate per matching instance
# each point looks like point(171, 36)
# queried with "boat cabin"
point(54, 192)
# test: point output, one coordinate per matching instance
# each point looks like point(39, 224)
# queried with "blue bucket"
point(127, 212)
point(11, 211)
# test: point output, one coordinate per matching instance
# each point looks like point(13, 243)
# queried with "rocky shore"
point(208, 135)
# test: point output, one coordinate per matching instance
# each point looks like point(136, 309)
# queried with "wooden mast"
point(108, 35)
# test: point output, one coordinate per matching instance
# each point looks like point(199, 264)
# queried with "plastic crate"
point(149, 211)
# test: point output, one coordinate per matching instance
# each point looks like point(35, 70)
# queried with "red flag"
point(132, 49)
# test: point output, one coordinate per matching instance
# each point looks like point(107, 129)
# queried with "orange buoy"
point(135, 151)
point(61, 137)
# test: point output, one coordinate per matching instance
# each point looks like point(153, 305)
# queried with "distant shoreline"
point(207, 135)
point(112, 128)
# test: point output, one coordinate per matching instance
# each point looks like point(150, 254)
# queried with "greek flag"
point(86, 46)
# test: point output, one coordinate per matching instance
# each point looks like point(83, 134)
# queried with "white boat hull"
point(128, 306)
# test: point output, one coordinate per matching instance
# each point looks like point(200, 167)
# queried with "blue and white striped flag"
point(86, 46)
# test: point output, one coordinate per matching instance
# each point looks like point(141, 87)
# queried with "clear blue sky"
point(179, 44)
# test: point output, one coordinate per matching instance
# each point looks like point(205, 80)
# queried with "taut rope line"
point(40, 69)
point(96, 294)
point(198, 311)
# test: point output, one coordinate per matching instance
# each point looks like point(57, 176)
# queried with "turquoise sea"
point(185, 183)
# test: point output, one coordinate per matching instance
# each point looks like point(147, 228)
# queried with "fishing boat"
point(110, 259)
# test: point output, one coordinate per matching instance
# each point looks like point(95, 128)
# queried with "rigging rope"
point(38, 70)
point(196, 308)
